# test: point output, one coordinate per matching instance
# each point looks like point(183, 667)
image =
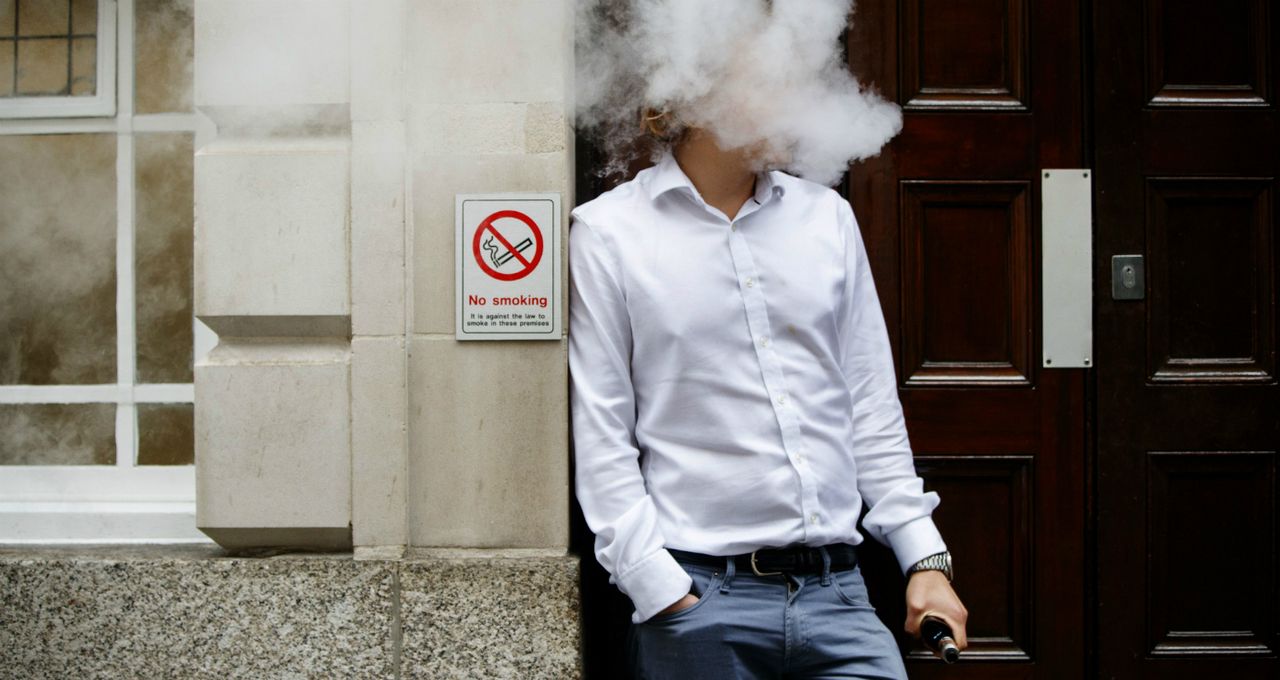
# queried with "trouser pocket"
point(851, 587)
point(706, 583)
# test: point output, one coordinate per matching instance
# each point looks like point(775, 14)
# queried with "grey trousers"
point(777, 626)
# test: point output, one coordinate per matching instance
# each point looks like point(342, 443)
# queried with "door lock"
point(1127, 278)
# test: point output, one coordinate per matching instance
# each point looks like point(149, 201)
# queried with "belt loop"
point(730, 568)
point(826, 565)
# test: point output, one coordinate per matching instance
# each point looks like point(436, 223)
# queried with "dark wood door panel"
point(1211, 603)
point(967, 304)
point(1212, 276)
point(1209, 141)
point(994, 533)
point(964, 55)
point(990, 91)
point(939, 423)
point(1214, 53)
point(960, 146)
point(1188, 409)
point(1166, 420)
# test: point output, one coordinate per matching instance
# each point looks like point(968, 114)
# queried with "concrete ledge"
point(246, 541)
point(513, 616)
point(200, 612)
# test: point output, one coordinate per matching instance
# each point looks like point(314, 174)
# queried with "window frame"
point(103, 101)
point(124, 502)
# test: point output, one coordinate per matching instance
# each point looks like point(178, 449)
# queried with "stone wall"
point(338, 396)
point(387, 501)
point(197, 612)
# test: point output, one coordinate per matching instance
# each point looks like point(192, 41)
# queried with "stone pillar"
point(487, 86)
point(273, 412)
point(379, 282)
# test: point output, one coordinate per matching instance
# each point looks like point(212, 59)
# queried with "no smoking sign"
point(508, 267)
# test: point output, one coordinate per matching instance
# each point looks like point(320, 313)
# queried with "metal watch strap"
point(939, 561)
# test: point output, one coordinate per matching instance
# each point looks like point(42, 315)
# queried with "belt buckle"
point(756, 570)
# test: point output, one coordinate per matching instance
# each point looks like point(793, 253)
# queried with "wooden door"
point(1188, 406)
point(992, 93)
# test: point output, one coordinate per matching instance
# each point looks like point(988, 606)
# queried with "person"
point(733, 403)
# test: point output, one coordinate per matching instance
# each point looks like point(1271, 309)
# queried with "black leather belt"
point(767, 561)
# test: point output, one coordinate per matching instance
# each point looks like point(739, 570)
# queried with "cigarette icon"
point(500, 258)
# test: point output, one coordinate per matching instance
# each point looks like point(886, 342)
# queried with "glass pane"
point(165, 227)
point(84, 17)
point(84, 66)
point(165, 44)
point(8, 52)
point(6, 17)
point(42, 66)
point(166, 434)
point(46, 60)
point(44, 17)
point(57, 259)
point(57, 434)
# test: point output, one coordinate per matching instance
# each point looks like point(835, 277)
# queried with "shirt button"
point(782, 398)
point(764, 342)
point(813, 518)
point(750, 282)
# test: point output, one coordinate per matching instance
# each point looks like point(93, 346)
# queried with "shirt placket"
point(774, 378)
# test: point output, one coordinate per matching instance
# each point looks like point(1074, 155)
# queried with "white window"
point(57, 58)
point(97, 337)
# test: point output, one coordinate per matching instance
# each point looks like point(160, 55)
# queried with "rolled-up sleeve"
point(610, 487)
point(900, 512)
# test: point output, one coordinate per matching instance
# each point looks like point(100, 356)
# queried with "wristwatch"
point(940, 561)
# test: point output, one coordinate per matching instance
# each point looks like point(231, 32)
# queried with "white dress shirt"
point(732, 384)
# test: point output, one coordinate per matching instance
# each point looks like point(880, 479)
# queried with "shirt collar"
point(667, 175)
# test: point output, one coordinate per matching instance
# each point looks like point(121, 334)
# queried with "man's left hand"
point(929, 592)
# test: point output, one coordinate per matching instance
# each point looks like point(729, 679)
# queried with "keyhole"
point(1129, 277)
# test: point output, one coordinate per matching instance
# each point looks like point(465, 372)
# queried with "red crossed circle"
point(487, 225)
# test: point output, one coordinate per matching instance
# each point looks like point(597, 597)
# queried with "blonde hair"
point(661, 124)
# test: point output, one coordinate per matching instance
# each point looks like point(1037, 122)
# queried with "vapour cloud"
point(761, 73)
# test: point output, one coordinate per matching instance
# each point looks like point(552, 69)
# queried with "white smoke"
point(756, 73)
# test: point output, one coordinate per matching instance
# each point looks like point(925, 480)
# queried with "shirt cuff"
point(914, 541)
point(654, 584)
